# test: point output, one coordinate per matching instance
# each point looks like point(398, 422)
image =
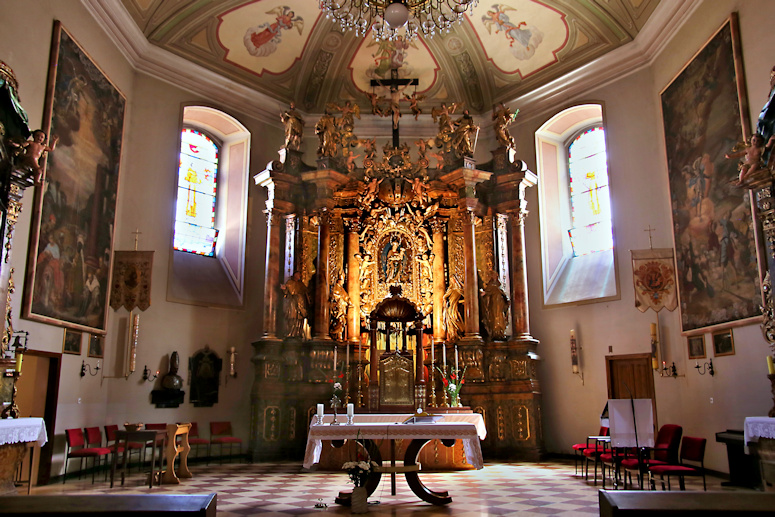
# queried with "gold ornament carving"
point(271, 427)
point(519, 368)
point(501, 424)
point(522, 423)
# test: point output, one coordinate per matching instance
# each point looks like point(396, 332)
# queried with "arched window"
point(578, 256)
point(207, 265)
point(195, 230)
point(590, 203)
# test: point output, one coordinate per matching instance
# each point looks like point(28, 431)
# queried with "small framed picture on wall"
point(723, 343)
point(72, 342)
point(96, 346)
point(696, 346)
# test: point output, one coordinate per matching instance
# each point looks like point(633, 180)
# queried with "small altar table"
point(467, 427)
point(16, 434)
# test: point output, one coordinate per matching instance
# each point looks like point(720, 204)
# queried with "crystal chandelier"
point(387, 17)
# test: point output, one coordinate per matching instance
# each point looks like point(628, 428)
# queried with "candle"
point(335, 347)
point(654, 330)
point(770, 365)
point(432, 356)
point(350, 410)
point(20, 356)
point(320, 411)
point(444, 354)
point(696, 364)
point(456, 367)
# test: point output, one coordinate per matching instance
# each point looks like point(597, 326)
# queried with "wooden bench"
point(110, 505)
point(637, 503)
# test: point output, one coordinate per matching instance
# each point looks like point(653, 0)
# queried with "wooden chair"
point(664, 452)
point(693, 450)
point(77, 448)
point(221, 434)
point(110, 436)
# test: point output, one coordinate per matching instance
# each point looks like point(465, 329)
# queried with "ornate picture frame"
point(723, 343)
point(705, 114)
point(73, 215)
point(71, 342)
point(695, 345)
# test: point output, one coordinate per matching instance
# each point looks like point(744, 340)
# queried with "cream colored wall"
point(640, 197)
point(146, 195)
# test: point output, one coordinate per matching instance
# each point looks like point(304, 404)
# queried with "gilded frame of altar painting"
point(705, 113)
point(71, 242)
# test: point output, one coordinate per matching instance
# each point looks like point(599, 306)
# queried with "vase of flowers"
point(452, 385)
point(359, 471)
point(336, 400)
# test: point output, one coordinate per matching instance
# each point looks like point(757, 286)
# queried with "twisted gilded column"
point(322, 289)
point(438, 226)
point(272, 275)
point(353, 281)
point(471, 285)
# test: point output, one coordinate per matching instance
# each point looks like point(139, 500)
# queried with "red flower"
point(452, 376)
point(462, 381)
point(341, 376)
point(446, 382)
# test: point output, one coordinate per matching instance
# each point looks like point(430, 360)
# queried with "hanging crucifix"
point(395, 96)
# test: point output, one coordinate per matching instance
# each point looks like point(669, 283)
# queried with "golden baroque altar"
point(378, 273)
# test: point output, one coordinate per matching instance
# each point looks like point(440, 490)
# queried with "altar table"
point(468, 427)
point(16, 434)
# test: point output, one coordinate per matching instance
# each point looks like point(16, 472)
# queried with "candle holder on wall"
point(706, 368)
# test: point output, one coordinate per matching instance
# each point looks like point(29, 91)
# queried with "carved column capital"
point(438, 225)
point(352, 224)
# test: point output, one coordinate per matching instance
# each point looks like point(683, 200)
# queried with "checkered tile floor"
point(284, 489)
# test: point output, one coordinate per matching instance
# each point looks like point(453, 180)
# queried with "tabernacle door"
point(396, 390)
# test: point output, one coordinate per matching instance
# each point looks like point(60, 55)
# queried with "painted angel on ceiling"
point(263, 40)
point(527, 37)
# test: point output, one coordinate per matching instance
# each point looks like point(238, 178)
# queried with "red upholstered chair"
point(579, 448)
point(612, 459)
point(693, 450)
point(221, 434)
point(77, 448)
point(195, 441)
point(664, 452)
point(592, 454)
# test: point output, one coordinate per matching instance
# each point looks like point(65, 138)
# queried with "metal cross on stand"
point(137, 234)
point(393, 83)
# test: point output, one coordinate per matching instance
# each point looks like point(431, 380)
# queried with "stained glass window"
point(589, 196)
point(197, 187)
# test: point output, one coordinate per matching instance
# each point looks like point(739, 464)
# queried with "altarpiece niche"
point(381, 269)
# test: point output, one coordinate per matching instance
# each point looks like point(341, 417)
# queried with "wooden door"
point(631, 376)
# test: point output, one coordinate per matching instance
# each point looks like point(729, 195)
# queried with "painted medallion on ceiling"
point(521, 39)
point(374, 60)
point(266, 36)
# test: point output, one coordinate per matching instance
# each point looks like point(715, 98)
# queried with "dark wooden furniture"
point(110, 505)
point(636, 503)
point(743, 470)
point(123, 438)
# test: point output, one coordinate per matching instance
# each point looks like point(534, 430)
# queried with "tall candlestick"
point(335, 347)
point(444, 353)
point(432, 356)
point(347, 362)
point(456, 366)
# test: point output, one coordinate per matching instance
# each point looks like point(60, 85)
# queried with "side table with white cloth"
point(468, 427)
point(16, 436)
point(759, 440)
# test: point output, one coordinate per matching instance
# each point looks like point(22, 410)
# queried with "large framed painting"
point(69, 260)
point(705, 115)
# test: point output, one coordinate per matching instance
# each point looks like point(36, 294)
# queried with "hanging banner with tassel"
point(131, 287)
point(653, 275)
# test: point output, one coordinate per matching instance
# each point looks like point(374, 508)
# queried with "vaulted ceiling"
point(497, 53)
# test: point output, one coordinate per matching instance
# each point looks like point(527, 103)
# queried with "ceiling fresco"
point(287, 50)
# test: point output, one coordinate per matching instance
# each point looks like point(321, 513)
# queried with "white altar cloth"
point(23, 430)
point(756, 427)
point(467, 427)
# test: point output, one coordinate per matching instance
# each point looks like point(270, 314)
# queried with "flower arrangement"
point(336, 398)
point(358, 471)
point(452, 385)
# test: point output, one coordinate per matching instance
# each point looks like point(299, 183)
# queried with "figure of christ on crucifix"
point(395, 97)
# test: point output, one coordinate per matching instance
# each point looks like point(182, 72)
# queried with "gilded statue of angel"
point(375, 100)
point(443, 116)
point(413, 100)
point(502, 117)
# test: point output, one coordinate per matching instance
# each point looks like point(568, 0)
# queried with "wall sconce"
point(705, 367)
point(147, 374)
point(93, 372)
point(669, 371)
point(574, 356)
point(19, 346)
point(232, 351)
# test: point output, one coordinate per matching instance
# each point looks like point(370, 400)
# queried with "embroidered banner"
point(653, 275)
point(131, 280)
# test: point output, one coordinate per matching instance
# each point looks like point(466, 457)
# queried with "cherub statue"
point(752, 161)
point(350, 160)
point(413, 100)
point(349, 110)
point(375, 100)
point(294, 128)
point(502, 117)
point(444, 117)
point(370, 194)
point(33, 150)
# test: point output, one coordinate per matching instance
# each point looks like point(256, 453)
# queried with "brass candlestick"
point(433, 386)
point(359, 399)
point(347, 384)
point(444, 400)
